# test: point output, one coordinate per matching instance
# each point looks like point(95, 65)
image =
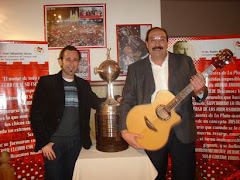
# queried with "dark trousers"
point(183, 159)
point(62, 167)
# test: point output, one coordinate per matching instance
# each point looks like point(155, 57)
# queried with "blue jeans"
point(62, 167)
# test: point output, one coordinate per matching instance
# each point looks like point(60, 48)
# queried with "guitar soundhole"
point(162, 113)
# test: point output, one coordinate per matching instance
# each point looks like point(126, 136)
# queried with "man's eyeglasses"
point(156, 39)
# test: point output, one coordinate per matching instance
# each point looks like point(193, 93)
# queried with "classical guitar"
point(154, 121)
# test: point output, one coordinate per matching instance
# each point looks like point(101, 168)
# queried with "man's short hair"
point(70, 48)
point(148, 32)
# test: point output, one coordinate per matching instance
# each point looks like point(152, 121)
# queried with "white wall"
point(24, 20)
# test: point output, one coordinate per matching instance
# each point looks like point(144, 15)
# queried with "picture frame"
point(131, 44)
point(79, 25)
point(84, 65)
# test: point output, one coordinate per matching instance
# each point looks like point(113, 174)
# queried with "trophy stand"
point(108, 136)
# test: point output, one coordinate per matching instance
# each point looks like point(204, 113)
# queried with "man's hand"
point(198, 83)
point(130, 138)
point(48, 151)
point(119, 99)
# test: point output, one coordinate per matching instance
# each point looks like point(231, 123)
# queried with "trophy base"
point(111, 144)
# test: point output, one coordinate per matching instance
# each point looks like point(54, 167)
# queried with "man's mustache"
point(157, 47)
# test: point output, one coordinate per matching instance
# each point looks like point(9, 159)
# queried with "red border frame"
point(23, 42)
point(66, 5)
point(214, 37)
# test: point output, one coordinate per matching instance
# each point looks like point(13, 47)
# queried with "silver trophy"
point(108, 135)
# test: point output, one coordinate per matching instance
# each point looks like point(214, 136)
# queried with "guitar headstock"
point(222, 58)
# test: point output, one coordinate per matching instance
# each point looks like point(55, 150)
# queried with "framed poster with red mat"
point(131, 44)
point(80, 25)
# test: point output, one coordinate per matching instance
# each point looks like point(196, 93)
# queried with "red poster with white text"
point(218, 117)
point(21, 65)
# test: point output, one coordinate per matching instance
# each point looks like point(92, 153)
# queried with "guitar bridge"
point(149, 124)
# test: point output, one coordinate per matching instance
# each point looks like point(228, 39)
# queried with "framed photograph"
point(84, 65)
point(80, 25)
point(131, 44)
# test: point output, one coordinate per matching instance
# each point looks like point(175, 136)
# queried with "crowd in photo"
point(60, 35)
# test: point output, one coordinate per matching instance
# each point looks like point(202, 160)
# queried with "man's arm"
point(129, 99)
point(37, 115)
point(200, 91)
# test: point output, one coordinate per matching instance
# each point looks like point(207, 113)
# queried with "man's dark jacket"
point(140, 86)
point(48, 106)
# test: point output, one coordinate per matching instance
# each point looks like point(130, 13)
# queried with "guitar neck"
point(187, 90)
point(208, 71)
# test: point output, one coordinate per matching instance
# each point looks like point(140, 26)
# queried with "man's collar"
point(164, 62)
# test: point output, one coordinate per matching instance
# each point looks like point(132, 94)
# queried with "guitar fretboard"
point(186, 91)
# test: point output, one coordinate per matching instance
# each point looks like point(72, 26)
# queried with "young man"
point(163, 70)
point(60, 116)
